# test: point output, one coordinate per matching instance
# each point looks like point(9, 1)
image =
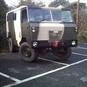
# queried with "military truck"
point(38, 30)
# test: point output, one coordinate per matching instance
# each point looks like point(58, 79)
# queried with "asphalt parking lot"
point(46, 72)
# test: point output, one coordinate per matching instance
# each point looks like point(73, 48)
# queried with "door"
point(25, 25)
point(17, 26)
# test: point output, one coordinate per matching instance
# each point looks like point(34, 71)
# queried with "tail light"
point(55, 44)
point(62, 43)
point(76, 28)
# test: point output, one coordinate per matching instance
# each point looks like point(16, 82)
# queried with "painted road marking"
point(43, 74)
point(54, 61)
point(81, 61)
point(85, 43)
point(9, 77)
point(82, 47)
point(79, 54)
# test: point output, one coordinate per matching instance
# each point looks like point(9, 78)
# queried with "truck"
point(36, 31)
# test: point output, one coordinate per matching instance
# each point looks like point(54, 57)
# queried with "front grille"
point(55, 37)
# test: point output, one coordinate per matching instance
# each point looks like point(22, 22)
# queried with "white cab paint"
point(17, 27)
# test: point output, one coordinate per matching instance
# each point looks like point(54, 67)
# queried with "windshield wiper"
point(43, 20)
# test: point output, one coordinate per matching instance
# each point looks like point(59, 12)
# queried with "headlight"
point(33, 28)
point(35, 44)
point(73, 43)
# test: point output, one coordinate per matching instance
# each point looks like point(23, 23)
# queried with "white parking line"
point(82, 47)
point(53, 61)
point(79, 54)
point(9, 77)
point(81, 61)
point(85, 43)
point(43, 74)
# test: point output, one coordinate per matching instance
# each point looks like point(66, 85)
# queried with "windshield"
point(38, 15)
point(62, 16)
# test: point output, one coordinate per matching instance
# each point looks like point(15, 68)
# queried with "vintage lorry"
point(39, 30)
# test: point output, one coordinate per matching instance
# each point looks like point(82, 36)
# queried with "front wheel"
point(27, 53)
point(61, 56)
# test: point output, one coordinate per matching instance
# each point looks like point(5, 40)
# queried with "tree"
point(3, 10)
point(31, 3)
point(56, 3)
point(83, 24)
point(73, 8)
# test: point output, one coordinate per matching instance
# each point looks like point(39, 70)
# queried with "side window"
point(24, 18)
point(11, 17)
point(14, 16)
point(8, 17)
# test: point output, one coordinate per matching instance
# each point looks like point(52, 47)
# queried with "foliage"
point(83, 25)
point(31, 3)
point(3, 10)
point(3, 45)
point(56, 3)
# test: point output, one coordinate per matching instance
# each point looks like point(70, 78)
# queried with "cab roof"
point(59, 7)
point(36, 7)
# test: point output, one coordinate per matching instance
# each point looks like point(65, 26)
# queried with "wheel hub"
point(27, 52)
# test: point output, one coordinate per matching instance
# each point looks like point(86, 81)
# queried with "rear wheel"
point(61, 56)
point(11, 45)
point(27, 53)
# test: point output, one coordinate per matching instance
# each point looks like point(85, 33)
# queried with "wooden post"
point(77, 21)
point(21, 2)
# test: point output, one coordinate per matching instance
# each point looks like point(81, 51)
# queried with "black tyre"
point(11, 45)
point(61, 56)
point(27, 53)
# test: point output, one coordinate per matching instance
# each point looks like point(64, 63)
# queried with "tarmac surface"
point(46, 71)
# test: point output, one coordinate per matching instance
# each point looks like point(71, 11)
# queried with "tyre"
point(11, 45)
point(27, 53)
point(61, 56)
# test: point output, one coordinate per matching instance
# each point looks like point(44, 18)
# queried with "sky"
point(15, 2)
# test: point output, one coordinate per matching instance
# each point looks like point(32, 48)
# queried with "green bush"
point(83, 25)
point(3, 40)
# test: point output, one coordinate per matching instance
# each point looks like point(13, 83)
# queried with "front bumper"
point(46, 44)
